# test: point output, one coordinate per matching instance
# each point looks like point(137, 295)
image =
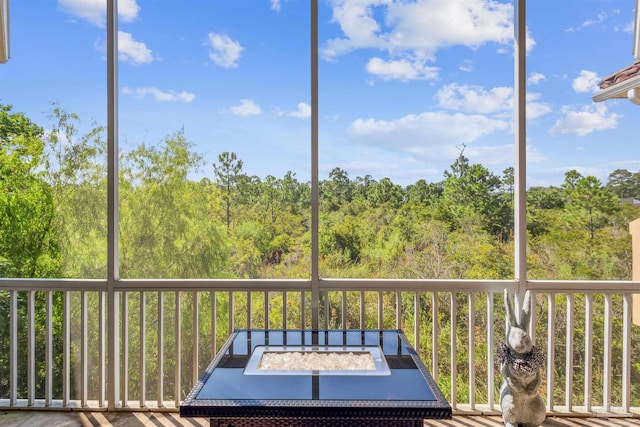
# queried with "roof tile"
point(619, 76)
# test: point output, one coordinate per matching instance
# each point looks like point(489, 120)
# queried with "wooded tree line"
point(233, 225)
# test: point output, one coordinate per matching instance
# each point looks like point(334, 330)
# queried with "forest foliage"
point(53, 224)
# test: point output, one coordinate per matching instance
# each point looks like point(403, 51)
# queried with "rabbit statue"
point(520, 362)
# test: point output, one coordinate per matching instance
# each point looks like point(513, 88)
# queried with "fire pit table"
point(316, 378)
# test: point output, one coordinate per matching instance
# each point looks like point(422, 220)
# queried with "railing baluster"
point(266, 310)
point(231, 313)
point(471, 352)
point(214, 313)
point(491, 347)
point(303, 310)
point(551, 313)
point(380, 316)
point(435, 331)
point(195, 361)
point(416, 321)
point(285, 323)
point(102, 330)
point(398, 310)
point(606, 383)
point(66, 348)
point(327, 305)
point(31, 350)
point(143, 349)
point(249, 309)
point(569, 355)
point(626, 354)
point(453, 399)
point(343, 313)
point(13, 349)
point(48, 395)
point(124, 376)
point(160, 372)
point(84, 349)
point(362, 310)
point(588, 350)
point(178, 349)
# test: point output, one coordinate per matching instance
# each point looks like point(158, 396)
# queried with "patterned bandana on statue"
point(528, 363)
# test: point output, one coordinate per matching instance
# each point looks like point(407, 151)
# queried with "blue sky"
point(404, 85)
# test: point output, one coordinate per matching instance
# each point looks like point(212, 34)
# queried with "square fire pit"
point(316, 378)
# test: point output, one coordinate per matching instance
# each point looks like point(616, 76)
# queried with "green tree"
point(469, 194)
point(75, 168)
point(228, 173)
point(624, 183)
point(166, 222)
point(337, 190)
point(591, 203)
point(28, 242)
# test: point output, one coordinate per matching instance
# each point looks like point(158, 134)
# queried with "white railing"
point(57, 347)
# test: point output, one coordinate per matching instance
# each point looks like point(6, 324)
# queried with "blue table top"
point(225, 385)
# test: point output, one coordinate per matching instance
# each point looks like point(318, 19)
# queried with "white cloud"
point(430, 135)
point(401, 70)
point(466, 66)
point(497, 101)
point(422, 27)
point(535, 78)
point(586, 82)
point(627, 28)
point(247, 107)
point(159, 95)
point(224, 51)
point(475, 99)
point(583, 122)
point(275, 5)
point(132, 50)
point(536, 109)
point(95, 11)
point(411, 33)
point(303, 111)
point(589, 22)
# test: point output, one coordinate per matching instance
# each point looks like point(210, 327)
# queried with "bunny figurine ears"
point(525, 312)
point(518, 338)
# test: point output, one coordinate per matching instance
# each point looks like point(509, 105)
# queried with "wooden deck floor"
point(19, 418)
